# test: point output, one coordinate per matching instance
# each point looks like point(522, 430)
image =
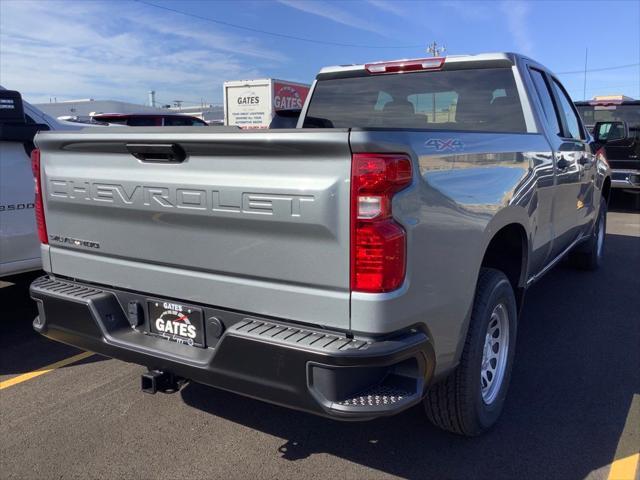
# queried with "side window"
point(603, 131)
point(545, 98)
point(383, 99)
point(572, 123)
point(437, 107)
point(142, 122)
point(179, 121)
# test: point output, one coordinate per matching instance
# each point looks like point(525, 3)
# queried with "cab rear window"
point(479, 100)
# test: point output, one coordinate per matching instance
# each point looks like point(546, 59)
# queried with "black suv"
point(615, 123)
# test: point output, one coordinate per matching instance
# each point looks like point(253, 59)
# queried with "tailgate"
point(253, 221)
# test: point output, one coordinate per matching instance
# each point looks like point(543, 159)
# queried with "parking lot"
point(573, 410)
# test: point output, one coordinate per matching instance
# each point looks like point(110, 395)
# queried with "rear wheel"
point(589, 255)
point(471, 399)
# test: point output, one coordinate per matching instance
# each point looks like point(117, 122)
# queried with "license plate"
point(176, 322)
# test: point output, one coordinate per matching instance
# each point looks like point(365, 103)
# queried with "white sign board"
point(249, 106)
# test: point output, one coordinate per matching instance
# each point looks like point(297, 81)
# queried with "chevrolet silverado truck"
point(373, 258)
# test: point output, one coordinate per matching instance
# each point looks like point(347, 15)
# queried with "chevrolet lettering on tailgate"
point(215, 200)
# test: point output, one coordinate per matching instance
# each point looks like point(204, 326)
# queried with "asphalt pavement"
point(573, 408)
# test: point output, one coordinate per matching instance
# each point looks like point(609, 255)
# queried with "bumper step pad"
point(293, 336)
point(377, 396)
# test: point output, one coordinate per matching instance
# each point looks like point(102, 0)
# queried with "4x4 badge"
point(444, 144)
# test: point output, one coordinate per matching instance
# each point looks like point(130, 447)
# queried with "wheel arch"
point(507, 250)
point(509, 228)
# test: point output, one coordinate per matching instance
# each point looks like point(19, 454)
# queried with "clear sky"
point(120, 49)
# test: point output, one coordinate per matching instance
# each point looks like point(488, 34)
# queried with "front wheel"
point(471, 399)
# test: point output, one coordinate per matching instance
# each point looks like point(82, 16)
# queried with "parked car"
point(374, 258)
point(19, 122)
point(615, 122)
point(148, 119)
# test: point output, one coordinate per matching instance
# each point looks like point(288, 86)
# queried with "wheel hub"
point(494, 354)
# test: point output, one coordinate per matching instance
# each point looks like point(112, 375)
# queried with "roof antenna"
point(435, 50)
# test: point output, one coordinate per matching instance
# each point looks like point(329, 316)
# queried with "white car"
point(19, 122)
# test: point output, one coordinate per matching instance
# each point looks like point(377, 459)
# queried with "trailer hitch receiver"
point(156, 380)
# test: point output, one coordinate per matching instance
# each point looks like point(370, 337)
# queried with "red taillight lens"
point(35, 168)
point(378, 243)
point(400, 66)
point(601, 155)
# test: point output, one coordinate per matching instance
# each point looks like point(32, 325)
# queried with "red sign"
point(287, 96)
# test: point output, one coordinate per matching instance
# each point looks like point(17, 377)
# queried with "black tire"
point(589, 255)
point(456, 404)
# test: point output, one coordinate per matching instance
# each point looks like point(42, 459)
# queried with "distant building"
point(612, 98)
point(85, 107)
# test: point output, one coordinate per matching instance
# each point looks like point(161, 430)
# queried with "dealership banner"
point(287, 96)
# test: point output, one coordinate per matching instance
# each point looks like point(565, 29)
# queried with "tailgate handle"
point(157, 152)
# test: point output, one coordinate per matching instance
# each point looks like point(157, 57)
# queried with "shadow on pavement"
point(577, 368)
point(21, 348)
point(621, 201)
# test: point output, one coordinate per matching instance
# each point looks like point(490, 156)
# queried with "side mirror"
point(13, 122)
point(11, 107)
point(20, 132)
point(604, 132)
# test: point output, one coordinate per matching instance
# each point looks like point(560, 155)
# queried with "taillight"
point(601, 155)
point(378, 242)
point(400, 66)
point(35, 167)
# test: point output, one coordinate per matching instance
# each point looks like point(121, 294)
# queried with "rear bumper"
point(627, 179)
point(319, 371)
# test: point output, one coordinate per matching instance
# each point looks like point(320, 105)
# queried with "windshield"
point(605, 113)
point(482, 100)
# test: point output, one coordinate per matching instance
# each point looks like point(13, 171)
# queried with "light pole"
point(436, 51)
point(584, 86)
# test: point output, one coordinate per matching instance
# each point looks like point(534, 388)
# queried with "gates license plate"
point(177, 322)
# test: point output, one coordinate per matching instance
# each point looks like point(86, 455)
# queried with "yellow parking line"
point(625, 467)
point(41, 371)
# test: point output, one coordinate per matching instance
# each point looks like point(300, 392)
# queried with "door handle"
point(157, 152)
point(562, 163)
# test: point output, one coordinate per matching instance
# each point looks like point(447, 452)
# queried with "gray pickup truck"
point(373, 258)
